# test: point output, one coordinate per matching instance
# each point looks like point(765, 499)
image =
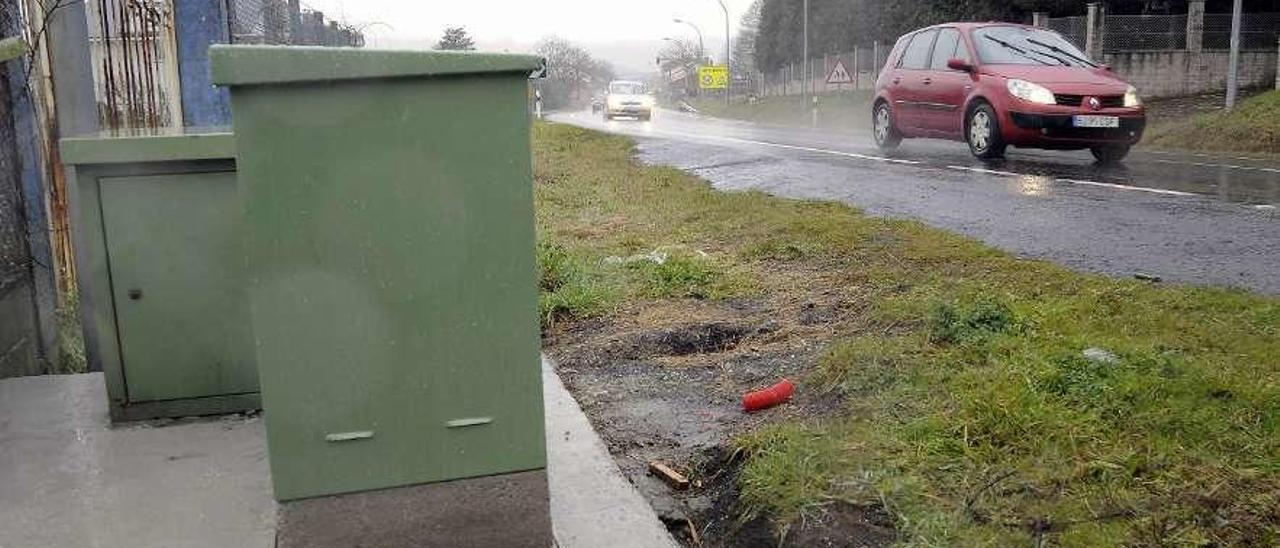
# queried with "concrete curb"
point(592, 503)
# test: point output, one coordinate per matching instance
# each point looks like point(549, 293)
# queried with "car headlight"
point(1131, 98)
point(613, 102)
point(1027, 91)
point(646, 102)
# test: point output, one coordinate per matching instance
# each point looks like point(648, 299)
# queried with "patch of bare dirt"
point(664, 382)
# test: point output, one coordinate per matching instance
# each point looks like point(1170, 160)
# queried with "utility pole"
point(1233, 68)
point(804, 87)
point(728, 67)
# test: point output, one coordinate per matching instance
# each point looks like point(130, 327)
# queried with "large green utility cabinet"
point(163, 301)
point(388, 208)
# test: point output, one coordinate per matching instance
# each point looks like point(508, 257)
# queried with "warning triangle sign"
point(839, 74)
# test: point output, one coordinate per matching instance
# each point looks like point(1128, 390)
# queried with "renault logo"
point(1094, 103)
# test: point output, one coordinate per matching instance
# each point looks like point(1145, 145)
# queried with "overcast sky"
point(625, 32)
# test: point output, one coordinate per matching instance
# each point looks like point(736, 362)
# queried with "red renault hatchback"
point(993, 85)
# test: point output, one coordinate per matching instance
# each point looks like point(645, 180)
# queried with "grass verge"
point(986, 400)
point(847, 111)
point(1253, 126)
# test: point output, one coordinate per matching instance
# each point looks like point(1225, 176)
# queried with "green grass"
point(70, 352)
point(568, 288)
point(1253, 126)
point(968, 410)
point(847, 111)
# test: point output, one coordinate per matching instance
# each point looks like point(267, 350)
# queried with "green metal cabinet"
point(389, 219)
point(156, 225)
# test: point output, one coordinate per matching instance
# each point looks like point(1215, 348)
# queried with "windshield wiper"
point(1017, 49)
point(1057, 49)
point(1060, 60)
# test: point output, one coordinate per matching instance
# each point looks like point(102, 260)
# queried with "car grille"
point(631, 103)
point(1108, 101)
point(1059, 127)
point(1110, 134)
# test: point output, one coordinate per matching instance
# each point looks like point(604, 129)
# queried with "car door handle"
point(896, 80)
point(928, 81)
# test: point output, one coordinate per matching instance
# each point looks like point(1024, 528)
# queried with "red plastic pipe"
point(769, 397)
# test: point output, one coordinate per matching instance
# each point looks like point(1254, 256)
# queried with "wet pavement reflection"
point(1238, 179)
point(1183, 217)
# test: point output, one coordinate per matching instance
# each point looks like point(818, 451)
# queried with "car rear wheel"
point(1110, 154)
point(983, 132)
point(886, 135)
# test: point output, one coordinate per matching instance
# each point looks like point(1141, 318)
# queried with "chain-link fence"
point(1258, 31)
point(1130, 33)
point(1074, 29)
point(287, 22)
point(1144, 33)
point(18, 338)
point(861, 67)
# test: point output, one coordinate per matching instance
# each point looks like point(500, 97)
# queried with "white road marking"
point(804, 149)
point(986, 171)
point(1164, 191)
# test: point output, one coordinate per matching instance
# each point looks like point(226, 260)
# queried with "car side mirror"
point(960, 65)
point(1105, 67)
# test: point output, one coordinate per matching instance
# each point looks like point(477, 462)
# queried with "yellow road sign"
point(713, 77)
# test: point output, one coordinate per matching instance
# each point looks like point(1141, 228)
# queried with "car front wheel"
point(1110, 154)
point(983, 132)
point(886, 135)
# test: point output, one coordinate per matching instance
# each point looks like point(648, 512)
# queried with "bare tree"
point(571, 72)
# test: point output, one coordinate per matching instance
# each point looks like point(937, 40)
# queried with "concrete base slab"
point(68, 479)
point(505, 510)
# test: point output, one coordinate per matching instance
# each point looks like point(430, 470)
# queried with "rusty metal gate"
point(134, 58)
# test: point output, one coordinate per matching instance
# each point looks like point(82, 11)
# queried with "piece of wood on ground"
point(675, 479)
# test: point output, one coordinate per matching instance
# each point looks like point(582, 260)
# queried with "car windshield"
point(626, 88)
point(1009, 45)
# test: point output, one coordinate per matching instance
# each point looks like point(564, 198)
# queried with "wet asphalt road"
point(1185, 218)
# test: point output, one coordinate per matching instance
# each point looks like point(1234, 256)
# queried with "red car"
point(993, 85)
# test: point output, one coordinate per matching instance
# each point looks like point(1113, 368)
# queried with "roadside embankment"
point(946, 393)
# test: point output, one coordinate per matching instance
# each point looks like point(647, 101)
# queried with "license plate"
point(1095, 121)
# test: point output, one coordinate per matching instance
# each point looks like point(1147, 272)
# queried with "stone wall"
point(1181, 72)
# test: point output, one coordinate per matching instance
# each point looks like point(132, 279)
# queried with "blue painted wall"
point(198, 24)
point(31, 173)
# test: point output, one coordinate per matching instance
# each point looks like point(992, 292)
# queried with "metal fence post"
point(856, 70)
point(1278, 63)
point(826, 64)
point(1195, 25)
point(1039, 19)
point(875, 60)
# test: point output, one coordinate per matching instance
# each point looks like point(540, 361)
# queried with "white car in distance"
point(628, 98)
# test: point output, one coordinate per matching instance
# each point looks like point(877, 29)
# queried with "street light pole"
point(1233, 68)
point(702, 55)
point(728, 66)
